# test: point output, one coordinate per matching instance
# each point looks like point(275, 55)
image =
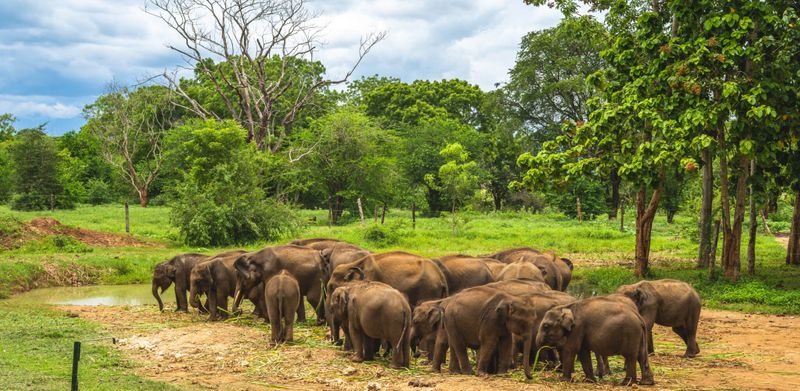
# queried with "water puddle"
point(134, 294)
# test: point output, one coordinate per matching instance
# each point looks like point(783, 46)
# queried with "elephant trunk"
point(193, 299)
point(158, 297)
point(526, 357)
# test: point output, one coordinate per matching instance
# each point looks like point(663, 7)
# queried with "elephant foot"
point(590, 380)
point(691, 354)
point(567, 379)
point(338, 342)
point(647, 380)
point(627, 382)
point(321, 322)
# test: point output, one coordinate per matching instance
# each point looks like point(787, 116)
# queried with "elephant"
point(668, 303)
point(216, 278)
point(486, 319)
point(520, 286)
point(559, 270)
point(495, 266)
point(427, 327)
point(318, 244)
point(282, 297)
point(417, 277)
point(302, 262)
point(522, 269)
point(601, 325)
point(376, 312)
point(175, 270)
point(542, 260)
point(339, 253)
point(540, 303)
point(463, 271)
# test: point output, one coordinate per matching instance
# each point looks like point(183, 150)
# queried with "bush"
point(98, 192)
point(219, 200)
point(591, 193)
point(385, 235)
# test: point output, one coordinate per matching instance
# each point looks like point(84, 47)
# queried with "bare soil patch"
point(739, 351)
point(46, 226)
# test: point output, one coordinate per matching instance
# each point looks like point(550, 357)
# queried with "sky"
point(56, 56)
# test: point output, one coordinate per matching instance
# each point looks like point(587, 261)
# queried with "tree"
point(36, 161)
point(219, 200)
point(130, 127)
point(458, 178)
point(7, 130)
point(634, 125)
point(7, 133)
point(259, 42)
point(349, 161)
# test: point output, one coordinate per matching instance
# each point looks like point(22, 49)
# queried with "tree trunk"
point(613, 206)
point(578, 205)
point(670, 216)
point(793, 255)
point(644, 227)
point(360, 211)
point(383, 213)
point(621, 217)
point(764, 221)
point(712, 258)
point(497, 197)
point(751, 244)
point(143, 197)
point(732, 231)
point(336, 210)
point(413, 216)
point(706, 208)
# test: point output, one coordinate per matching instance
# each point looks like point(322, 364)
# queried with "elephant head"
point(325, 263)
point(199, 281)
point(638, 293)
point(556, 326)
point(163, 277)
point(425, 322)
point(519, 319)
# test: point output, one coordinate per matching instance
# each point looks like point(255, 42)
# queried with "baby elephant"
point(601, 325)
point(282, 295)
point(377, 312)
point(668, 303)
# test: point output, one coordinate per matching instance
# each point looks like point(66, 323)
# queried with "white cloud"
point(39, 106)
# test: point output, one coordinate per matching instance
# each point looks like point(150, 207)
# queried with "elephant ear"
point(640, 297)
point(542, 269)
point(568, 262)
point(434, 316)
point(353, 272)
point(326, 254)
point(169, 270)
point(241, 265)
point(567, 319)
point(503, 311)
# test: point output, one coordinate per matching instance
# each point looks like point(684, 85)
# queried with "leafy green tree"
point(7, 133)
point(36, 172)
point(349, 161)
point(219, 200)
point(586, 192)
point(130, 127)
point(458, 178)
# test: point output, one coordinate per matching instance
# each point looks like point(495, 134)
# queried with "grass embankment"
point(603, 254)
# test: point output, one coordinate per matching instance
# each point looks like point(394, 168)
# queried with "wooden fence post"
point(413, 216)
point(360, 210)
point(383, 213)
point(127, 220)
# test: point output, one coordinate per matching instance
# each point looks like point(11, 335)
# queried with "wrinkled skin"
point(338, 254)
point(301, 262)
point(375, 312)
point(177, 271)
point(522, 269)
point(602, 325)
point(670, 303)
point(216, 278)
point(495, 266)
point(564, 266)
point(487, 319)
point(282, 296)
point(463, 271)
point(544, 261)
point(520, 286)
point(318, 244)
point(416, 277)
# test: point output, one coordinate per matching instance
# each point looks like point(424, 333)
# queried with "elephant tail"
point(281, 322)
point(403, 337)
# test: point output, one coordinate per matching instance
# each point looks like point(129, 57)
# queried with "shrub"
point(98, 192)
point(219, 200)
point(385, 235)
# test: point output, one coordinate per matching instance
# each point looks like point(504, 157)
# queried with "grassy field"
point(36, 341)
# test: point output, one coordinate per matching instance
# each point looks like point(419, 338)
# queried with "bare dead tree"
point(247, 34)
point(130, 126)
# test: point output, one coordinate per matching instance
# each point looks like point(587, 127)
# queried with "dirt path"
point(739, 351)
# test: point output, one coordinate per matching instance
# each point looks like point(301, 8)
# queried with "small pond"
point(134, 294)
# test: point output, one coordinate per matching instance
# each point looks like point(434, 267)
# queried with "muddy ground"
point(739, 351)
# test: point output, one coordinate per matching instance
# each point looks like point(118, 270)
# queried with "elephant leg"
point(453, 367)
point(486, 354)
point(439, 351)
point(504, 357)
point(180, 296)
point(650, 347)
point(630, 370)
point(288, 326)
point(212, 305)
point(603, 368)
point(370, 346)
point(358, 342)
point(567, 364)
point(586, 363)
point(387, 348)
point(315, 299)
point(691, 339)
point(459, 347)
point(644, 364)
point(301, 311)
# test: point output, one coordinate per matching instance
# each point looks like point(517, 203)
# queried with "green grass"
point(36, 353)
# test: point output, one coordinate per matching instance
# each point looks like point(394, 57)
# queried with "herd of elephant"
point(504, 305)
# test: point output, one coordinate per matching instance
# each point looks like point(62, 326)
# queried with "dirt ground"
point(45, 226)
point(739, 351)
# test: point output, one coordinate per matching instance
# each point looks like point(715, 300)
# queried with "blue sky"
point(58, 55)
